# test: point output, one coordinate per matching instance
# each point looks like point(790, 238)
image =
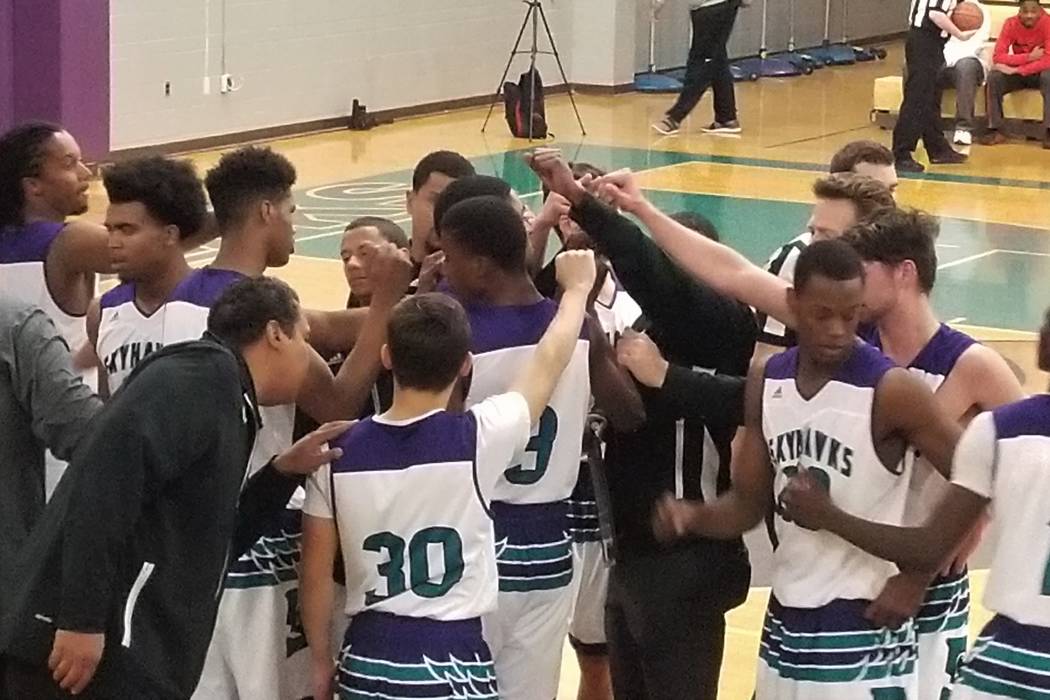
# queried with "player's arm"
point(615, 393)
point(90, 351)
point(715, 264)
point(324, 397)
point(316, 585)
point(905, 407)
point(82, 248)
point(747, 501)
point(208, 232)
point(539, 377)
point(920, 549)
point(988, 378)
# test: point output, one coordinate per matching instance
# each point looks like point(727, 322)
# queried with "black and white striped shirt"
point(921, 9)
point(782, 264)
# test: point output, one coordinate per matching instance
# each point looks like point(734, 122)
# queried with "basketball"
point(968, 16)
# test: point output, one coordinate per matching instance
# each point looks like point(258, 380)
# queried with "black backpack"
point(517, 99)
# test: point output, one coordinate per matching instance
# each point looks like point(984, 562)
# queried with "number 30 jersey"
point(829, 434)
point(410, 500)
point(503, 340)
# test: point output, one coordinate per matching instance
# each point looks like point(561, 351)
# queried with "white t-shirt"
point(955, 50)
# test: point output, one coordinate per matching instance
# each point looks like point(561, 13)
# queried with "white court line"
point(967, 259)
point(989, 253)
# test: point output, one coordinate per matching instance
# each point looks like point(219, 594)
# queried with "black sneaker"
point(949, 157)
point(732, 127)
point(909, 165)
point(667, 126)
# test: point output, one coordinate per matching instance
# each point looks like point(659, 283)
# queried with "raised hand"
point(389, 268)
point(576, 271)
point(621, 189)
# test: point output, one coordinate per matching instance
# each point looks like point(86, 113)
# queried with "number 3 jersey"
point(503, 340)
point(829, 434)
point(411, 504)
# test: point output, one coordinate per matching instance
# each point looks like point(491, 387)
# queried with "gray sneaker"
point(732, 127)
point(666, 126)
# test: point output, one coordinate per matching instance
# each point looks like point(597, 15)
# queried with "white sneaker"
point(963, 138)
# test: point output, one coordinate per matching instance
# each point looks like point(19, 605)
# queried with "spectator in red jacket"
point(1022, 61)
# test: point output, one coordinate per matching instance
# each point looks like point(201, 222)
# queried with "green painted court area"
point(991, 275)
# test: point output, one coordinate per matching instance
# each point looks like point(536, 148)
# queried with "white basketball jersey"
point(411, 503)
point(614, 309)
point(1004, 455)
point(829, 434)
point(503, 340)
point(126, 336)
point(23, 254)
point(932, 365)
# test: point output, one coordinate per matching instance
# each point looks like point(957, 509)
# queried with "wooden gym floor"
point(995, 253)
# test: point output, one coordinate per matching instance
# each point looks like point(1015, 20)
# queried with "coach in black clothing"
point(119, 582)
point(666, 606)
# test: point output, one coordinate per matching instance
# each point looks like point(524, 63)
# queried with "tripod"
point(535, 14)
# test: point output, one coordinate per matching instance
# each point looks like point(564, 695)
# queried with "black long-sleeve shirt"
point(684, 446)
point(141, 530)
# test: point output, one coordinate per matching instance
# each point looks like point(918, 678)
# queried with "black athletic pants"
point(708, 64)
point(920, 113)
point(665, 640)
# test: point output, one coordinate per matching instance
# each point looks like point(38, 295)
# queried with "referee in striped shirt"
point(920, 113)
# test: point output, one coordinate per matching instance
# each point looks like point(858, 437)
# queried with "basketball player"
point(259, 649)
point(359, 237)
point(418, 612)
point(154, 203)
point(1000, 460)
point(485, 249)
point(46, 260)
point(430, 178)
point(900, 258)
point(837, 407)
point(841, 201)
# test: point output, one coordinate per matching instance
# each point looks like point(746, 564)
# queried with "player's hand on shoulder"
point(807, 502)
point(671, 518)
point(74, 659)
point(575, 270)
point(390, 269)
point(899, 601)
point(312, 452)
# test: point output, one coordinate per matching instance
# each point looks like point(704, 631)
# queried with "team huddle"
point(447, 542)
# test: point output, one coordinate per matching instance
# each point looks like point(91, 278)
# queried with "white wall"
point(299, 60)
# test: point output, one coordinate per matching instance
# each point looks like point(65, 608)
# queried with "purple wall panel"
point(59, 67)
point(6, 64)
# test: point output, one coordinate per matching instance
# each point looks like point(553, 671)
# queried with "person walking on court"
point(920, 115)
point(707, 67)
